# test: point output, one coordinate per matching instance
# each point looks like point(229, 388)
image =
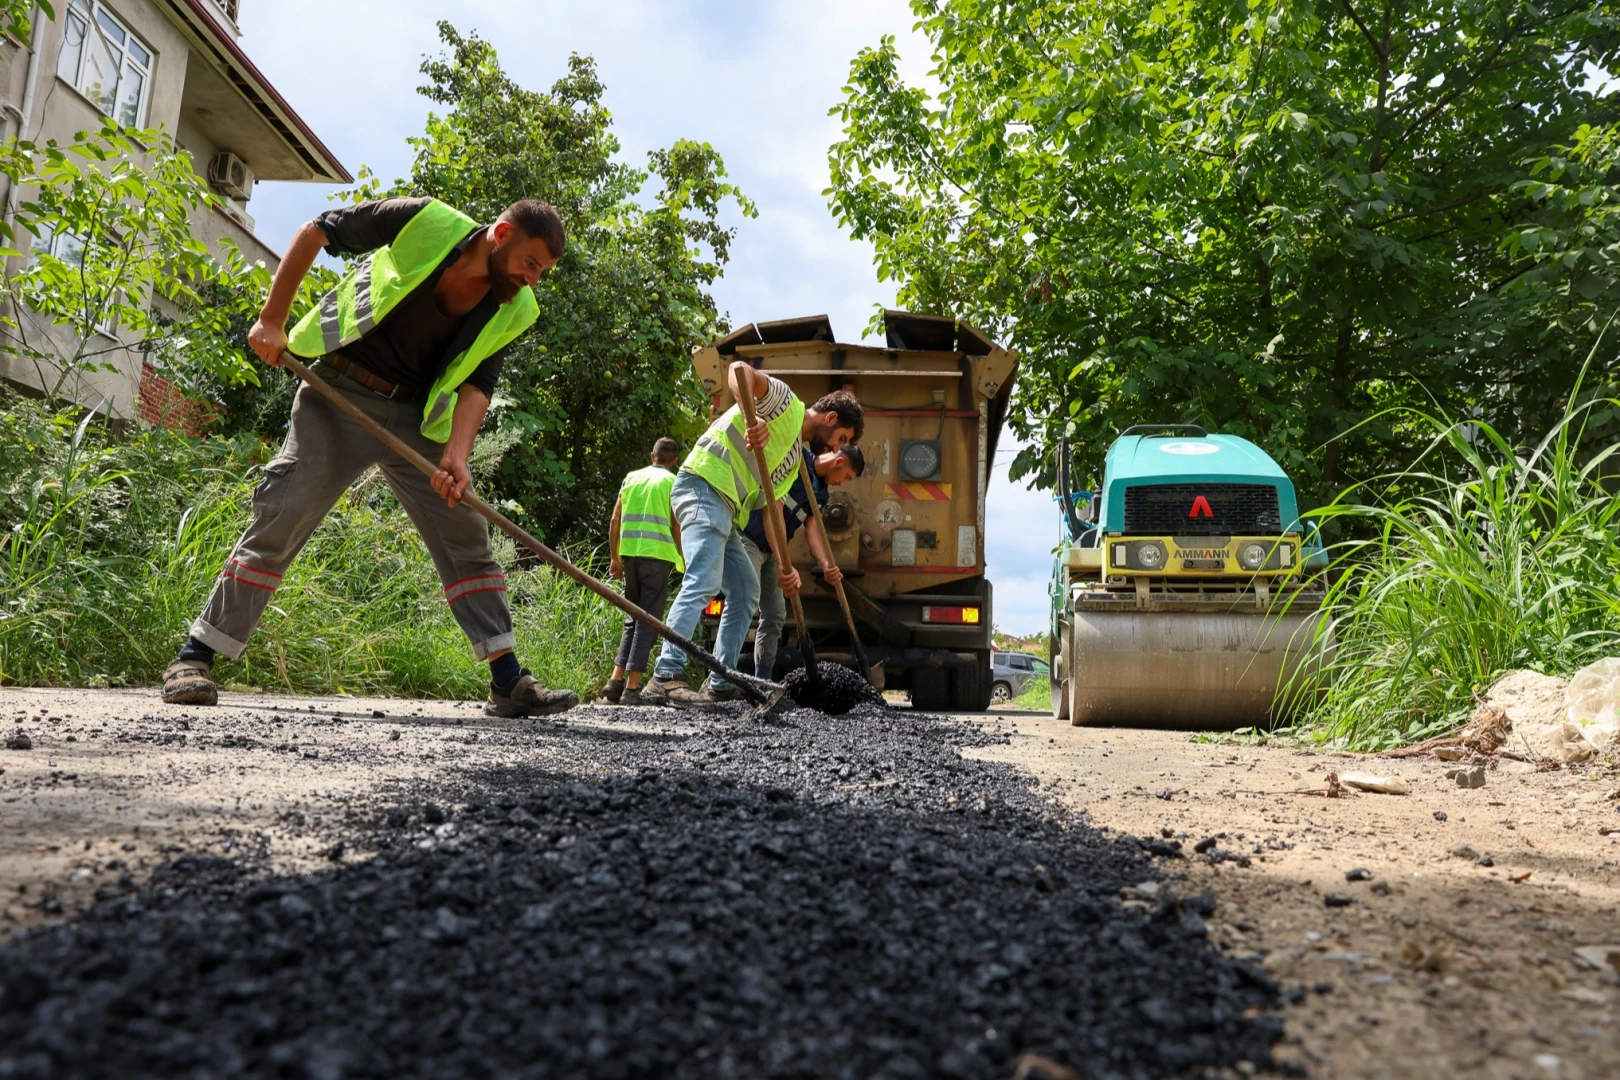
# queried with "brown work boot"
point(675, 693)
point(527, 697)
point(188, 681)
point(612, 691)
point(717, 693)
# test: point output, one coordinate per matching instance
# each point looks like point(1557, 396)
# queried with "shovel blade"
point(874, 675)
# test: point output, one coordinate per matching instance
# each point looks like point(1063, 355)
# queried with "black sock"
point(504, 671)
point(196, 650)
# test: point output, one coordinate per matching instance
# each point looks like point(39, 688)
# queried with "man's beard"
point(821, 438)
point(502, 285)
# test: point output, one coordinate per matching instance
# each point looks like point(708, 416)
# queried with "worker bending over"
point(644, 545)
point(835, 468)
point(415, 336)
point(717, 487)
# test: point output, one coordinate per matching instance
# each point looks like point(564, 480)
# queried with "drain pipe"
point(25, 114)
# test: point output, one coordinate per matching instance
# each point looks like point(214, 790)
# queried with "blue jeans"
point(716, 562)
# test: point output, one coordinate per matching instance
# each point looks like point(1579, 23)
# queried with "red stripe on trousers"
point(252, 570)
point(475, 577)
point(245, 581)
point(469, 592)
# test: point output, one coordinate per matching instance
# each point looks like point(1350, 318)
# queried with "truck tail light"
point(965, 615)
point(714, 607)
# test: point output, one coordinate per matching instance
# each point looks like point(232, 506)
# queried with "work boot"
point(674, 692)
point(631, 697)
point(188, 681)
point(716, 693)
point(527, 697)
point(612, 691)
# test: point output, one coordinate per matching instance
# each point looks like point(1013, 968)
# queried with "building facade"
point(175, 64)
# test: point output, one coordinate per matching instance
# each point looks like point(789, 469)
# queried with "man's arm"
point(675, 530)
point(268, 336)
point(615, 564)
point(818, 548)
point(743, 374)
point(452, 478)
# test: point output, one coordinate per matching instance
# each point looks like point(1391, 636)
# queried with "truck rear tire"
point(930, 690)
point(971, 685)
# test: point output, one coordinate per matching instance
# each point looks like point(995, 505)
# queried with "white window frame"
point(83, 18)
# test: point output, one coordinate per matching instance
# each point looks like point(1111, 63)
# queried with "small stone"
point(1337, 900)
point(398, 817)
point(19, 741)
point(1471, 778)
point(393, 736)
point(377, 714)
point(1461, 850)
point(1381, 888)
point(1166, 794)
point(1450, 753)
point(1439, 815)
point(1548, 1061)
point(1323, 988)
point(433, 814)
point(1358, 874)
point(1204, 845)
point(1484, 860)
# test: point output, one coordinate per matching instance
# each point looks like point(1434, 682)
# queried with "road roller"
point(1186, 590)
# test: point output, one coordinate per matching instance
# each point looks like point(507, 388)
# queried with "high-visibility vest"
point(644, 516)
point(370, 291)
point(724, 460)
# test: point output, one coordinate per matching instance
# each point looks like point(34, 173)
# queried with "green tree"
point(112, 263)
point(16, 17)
point(606, 370)
point(1283, 219)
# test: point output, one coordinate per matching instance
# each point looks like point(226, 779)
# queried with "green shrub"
point(1502, 559)
point(109, 548)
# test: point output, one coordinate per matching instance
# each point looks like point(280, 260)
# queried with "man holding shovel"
point(835, 468)
point(415, 337)
point(718, 486)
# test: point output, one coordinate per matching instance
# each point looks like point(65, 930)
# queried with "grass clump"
point(109, 547)
point(1498, 558)
point(1037, 694)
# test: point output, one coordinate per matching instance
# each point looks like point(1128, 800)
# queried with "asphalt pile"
point(795, 895)
point(840, 690)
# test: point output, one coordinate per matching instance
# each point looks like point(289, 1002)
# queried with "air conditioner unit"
point(229, 175)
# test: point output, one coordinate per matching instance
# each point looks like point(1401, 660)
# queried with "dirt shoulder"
point(1437, 964)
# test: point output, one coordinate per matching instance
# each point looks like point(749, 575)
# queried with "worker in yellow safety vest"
point(644, 548)
point(716, 489)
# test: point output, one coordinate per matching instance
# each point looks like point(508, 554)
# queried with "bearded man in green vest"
point(415, 335)
point(717, 488)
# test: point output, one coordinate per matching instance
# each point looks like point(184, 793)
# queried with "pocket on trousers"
point(269, 492)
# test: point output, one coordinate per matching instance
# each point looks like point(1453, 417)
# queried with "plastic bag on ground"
point(1592, 702)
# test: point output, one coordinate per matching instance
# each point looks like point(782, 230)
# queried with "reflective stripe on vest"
point(723, 459)
point(371, 290)
point(644, 516)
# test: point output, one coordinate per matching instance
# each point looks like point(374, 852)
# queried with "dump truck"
point(909, 534)
point(1183, 590)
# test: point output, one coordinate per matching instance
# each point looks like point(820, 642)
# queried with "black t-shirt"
point(415, 340)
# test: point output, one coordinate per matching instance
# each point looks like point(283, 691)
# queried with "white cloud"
point(755, 79)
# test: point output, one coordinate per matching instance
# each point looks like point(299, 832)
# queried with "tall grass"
point(108, 549)
point(1500, 559)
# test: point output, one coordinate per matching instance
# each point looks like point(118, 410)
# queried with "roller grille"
point(1169, 510)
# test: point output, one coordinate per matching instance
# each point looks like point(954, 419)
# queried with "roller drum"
point(1187, 670)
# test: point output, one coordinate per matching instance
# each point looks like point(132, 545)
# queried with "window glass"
point(70, 249)
point(74, 29)
point(105, 62)
point(129, 95)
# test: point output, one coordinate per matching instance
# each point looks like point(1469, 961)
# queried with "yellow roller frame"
point(1205, 553)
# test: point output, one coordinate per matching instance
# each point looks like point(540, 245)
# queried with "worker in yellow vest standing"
point(718, 486)
point(644, 547)
point(415, 335)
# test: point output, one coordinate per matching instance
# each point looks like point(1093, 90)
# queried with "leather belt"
point(368, 379)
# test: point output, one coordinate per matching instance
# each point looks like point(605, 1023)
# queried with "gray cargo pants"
point(646, 585)
point(324, 453)
point(772, 609)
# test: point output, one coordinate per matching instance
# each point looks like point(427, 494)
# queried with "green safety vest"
point(644, 516)
point(370, 291)
point(724, 460)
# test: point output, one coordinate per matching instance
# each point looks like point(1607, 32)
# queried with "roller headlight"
point(1151, 555)
point(1253, 556)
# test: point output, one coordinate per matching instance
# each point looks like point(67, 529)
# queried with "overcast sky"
point(753, 77)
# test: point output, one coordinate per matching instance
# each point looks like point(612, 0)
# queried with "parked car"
point(1012, 672)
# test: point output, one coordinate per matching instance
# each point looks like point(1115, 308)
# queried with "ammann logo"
point(1205, 553)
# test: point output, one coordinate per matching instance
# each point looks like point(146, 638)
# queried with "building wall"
point(60, 111)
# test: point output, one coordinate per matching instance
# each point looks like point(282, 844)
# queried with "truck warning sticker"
point(904, 551)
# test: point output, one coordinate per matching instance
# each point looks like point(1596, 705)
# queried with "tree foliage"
point(606, 370)
point(113, 265)
point(1294, 220)
point(16, 16)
